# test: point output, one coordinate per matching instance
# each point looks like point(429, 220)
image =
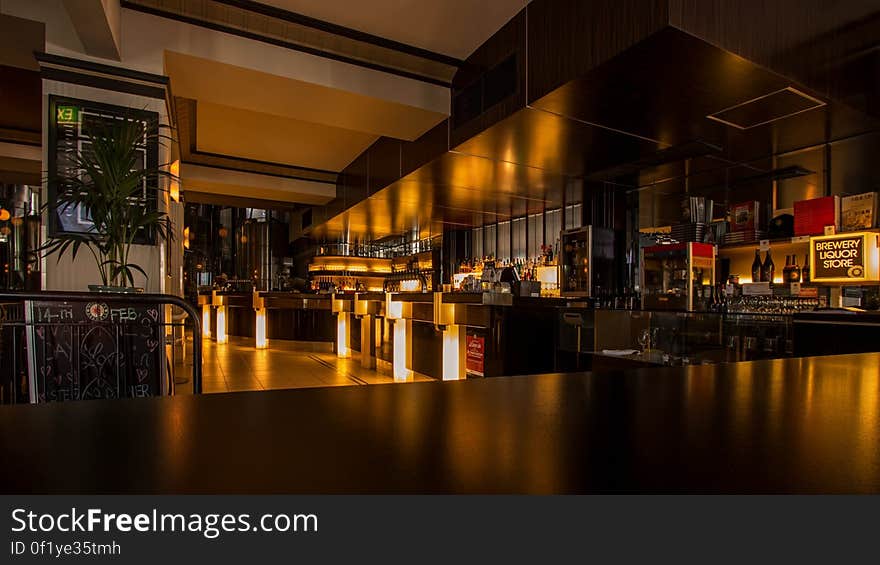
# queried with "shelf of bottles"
point(335, 273)
point(385, 250)
point(542, 268)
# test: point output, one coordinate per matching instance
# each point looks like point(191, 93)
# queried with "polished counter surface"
point(787, 425)
point(838, 316)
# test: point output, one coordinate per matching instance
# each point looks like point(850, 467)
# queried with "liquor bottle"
point(786, 271)
point(794, 275)
point(768, 269)
point(713, 299)
point(805, 272)
point(723, 296)
point(756, 267)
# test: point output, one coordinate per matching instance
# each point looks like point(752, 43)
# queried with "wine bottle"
point(756, 267)
point(794, 275)
point(805, 272)
point(768, 269)
point(786, 271)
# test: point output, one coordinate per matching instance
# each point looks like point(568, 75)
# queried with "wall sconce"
point(222, 232)
point(174, 190)
point(4, 214)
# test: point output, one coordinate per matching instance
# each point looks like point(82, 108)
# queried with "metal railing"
point(43, 323)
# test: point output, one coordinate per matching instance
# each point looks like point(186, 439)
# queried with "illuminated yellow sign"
point(844, 258)
point(67, 114)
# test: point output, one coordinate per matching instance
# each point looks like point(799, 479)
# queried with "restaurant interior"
point(325, 195)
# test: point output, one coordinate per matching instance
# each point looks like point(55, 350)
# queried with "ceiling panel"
point(544, 140)
point(254, 135)
point(228, 85)
point(454, 190)
point(452, 27)
point(633, 120)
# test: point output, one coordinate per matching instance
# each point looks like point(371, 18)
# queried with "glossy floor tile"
point(238, 366)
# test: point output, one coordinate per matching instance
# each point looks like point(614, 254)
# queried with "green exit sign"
point(67, 114)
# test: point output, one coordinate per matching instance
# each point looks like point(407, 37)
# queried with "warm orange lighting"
point(243, 238)
point(206, 320)
point(222, 232)
point(17, 221)
point(350, 264)
point(5, 230)
point(260, 330)
point(393, 308)
point(221, 325)
point(452, 366)
point(398, 363)
point(186, 237)
point(4, 214)
point(342, 350)
point(458, 278)
point(174, 189)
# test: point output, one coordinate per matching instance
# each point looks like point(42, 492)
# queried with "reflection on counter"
point(616, 339)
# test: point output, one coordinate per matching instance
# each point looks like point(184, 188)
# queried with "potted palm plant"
point(110, 185)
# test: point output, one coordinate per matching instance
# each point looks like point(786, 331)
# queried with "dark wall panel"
point(425, 149)
point(384, 163)
point(823, 44)
point(568, 38)
point(500, 63)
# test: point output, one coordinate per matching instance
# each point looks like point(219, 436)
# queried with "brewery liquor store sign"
point(850, 257)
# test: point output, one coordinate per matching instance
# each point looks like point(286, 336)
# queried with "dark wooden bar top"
point(803, 425)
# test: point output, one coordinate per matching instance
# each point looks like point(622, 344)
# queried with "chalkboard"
point(95, 349)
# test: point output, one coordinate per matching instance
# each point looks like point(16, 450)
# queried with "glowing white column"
point(206, 321)
point(221, 325)
point(342, 350)
point(453, 366)
point(398, 362)
point(260, 330)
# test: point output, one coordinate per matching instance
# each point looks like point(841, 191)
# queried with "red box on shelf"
point(811, 216)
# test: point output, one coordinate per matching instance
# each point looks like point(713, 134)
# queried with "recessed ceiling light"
point(766, 109)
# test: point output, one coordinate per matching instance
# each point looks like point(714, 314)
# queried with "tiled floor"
point(238, 366)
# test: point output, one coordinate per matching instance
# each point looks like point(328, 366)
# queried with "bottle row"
point(764, 271)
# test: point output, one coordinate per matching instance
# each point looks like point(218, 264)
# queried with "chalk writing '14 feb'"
point(123, 314)
point(50, 314)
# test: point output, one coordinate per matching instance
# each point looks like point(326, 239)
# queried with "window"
point(477, 243)
point(573, 216)
point(536, 235)
point(489, 238)
point(554, 226)
point(518, 227)
point(503, 251)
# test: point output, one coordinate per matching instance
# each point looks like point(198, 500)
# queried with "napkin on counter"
point(619, 352)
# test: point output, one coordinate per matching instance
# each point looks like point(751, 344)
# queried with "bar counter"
point(290, 316)
point(493, 334)
point(803, 425)
point(826, 332)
